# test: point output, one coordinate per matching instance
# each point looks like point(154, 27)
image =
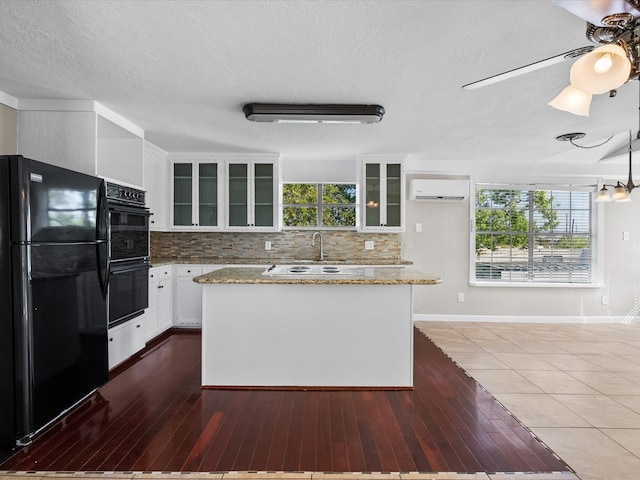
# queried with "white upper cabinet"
point(196, 194)
point(83, 136)
point(382, 194)
point(156, 183)
point(223, 192)
point(252, 194)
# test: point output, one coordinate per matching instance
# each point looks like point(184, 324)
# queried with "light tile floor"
point(575, 386)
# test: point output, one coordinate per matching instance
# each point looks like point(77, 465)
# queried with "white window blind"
point(534, 235)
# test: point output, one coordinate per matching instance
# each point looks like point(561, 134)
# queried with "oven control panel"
point(122, 194)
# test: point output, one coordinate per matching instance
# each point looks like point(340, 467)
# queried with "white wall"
point(442, 249)
point(8, 130)
point(121, 159)
point(66, 139)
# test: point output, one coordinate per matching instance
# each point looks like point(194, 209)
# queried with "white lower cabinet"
point(160, 311)
point(126, 339)
point(188, 296)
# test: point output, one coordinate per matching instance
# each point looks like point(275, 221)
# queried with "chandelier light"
point(621, 193)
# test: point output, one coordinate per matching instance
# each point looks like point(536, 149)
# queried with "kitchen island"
point(350, 327)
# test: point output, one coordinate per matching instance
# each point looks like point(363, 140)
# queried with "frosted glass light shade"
point(585, 75)
point(620, 194)
point(573, 100)
point(603, 195)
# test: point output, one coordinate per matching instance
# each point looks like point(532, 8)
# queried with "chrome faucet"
point(313, 243)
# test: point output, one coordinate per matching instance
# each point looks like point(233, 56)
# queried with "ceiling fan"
point(609, 22)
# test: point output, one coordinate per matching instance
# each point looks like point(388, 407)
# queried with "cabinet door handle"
point(111, 339)
point(137, 326)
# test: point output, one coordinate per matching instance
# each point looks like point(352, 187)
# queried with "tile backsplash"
point(285, 246)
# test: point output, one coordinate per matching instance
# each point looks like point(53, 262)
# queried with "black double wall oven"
point(129, 251)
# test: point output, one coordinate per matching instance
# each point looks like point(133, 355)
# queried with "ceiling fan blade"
point(622, 153)
point(528, 68)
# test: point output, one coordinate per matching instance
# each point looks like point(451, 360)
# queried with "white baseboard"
point(422, 317)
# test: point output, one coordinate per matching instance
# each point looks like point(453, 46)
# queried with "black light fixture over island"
point(313, 113)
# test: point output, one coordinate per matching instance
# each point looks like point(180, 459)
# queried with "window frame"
point(319, 206)
point(595, 226)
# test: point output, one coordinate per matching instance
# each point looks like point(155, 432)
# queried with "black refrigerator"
point(54, 265)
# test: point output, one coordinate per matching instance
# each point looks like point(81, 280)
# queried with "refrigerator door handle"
point(102, 220)
point(24, 349)
point(103, 238)
point(103, 266)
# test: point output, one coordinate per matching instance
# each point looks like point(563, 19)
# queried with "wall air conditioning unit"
point(438, 190)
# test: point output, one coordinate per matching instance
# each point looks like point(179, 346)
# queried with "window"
point(533, 235)
point(315, 205)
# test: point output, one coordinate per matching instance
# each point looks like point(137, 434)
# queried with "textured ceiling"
point(182, 70)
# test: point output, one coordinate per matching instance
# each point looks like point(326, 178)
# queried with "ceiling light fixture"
point(313, 113)
point(573, 100)
point(588, 72)
point(621, 193)
point(600, 71)
point(605, 68)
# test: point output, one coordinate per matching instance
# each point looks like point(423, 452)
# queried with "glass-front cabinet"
point(224, 192)
point(382, 202)
point(196, 194)
point(251, 195)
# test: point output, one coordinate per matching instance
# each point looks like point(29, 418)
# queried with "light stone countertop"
point(360, 275)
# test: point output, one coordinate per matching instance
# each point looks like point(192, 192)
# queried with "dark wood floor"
point(153, 416)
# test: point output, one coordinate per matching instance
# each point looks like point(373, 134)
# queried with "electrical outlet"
point(625, 236)
point(418, 227)
point(461, 297)
point(368, 245)
point(267, 245)
point(605, 300)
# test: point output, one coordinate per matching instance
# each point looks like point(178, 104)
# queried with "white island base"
point(307, 335)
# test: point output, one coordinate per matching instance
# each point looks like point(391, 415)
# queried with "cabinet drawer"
point(188, 270)
point(160, 273)
point(125, 340)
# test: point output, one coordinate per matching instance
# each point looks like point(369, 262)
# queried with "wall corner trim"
point(8, 100)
